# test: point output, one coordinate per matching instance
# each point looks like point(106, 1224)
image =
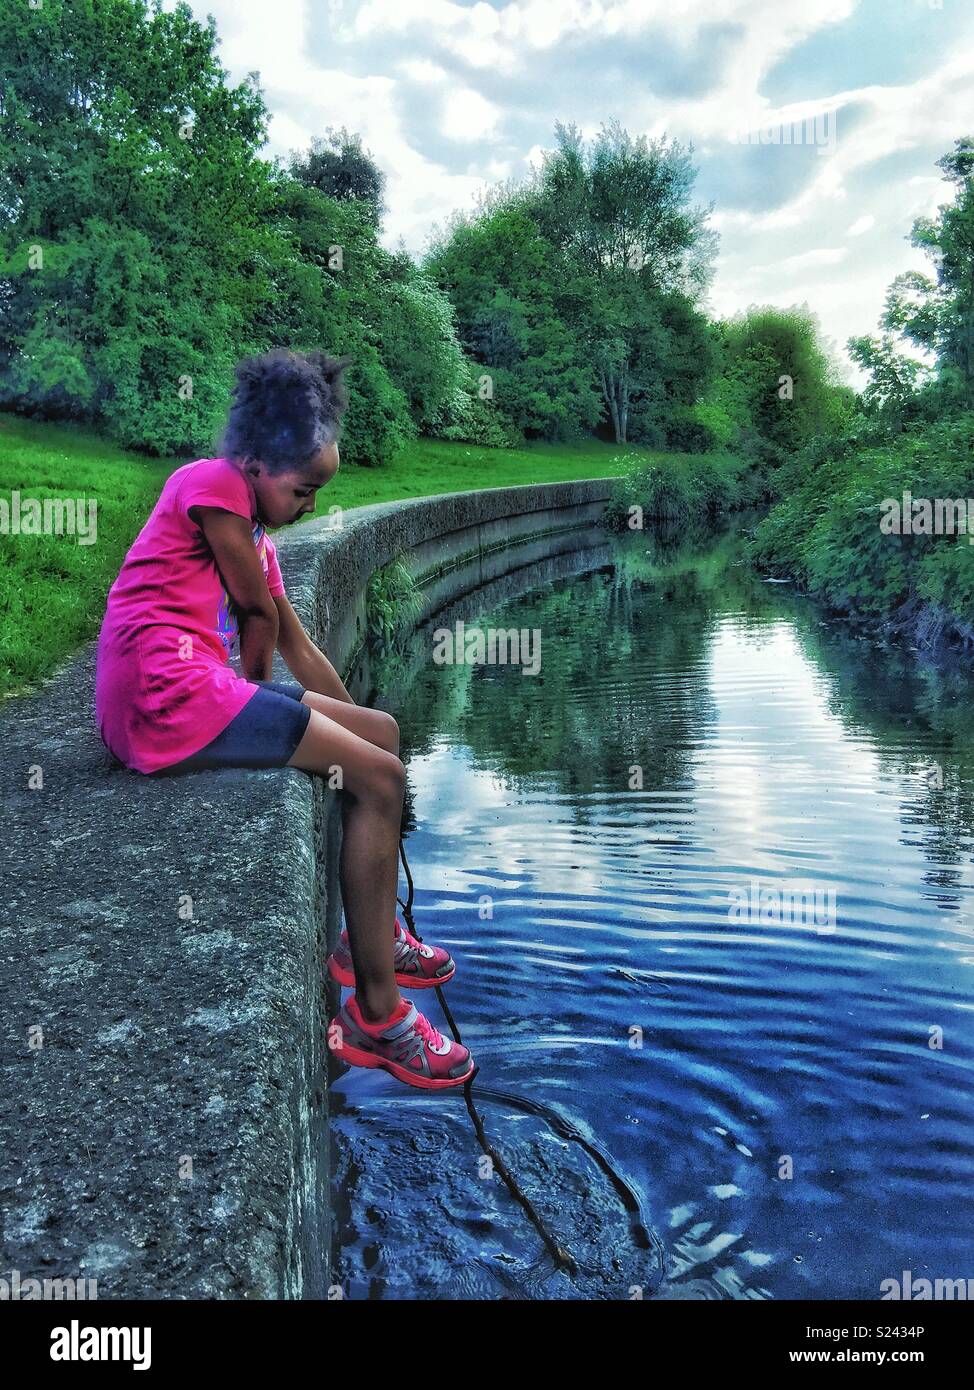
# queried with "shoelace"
point(406, 935)
point(423, 1026)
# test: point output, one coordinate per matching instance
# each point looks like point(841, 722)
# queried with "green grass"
point(429, 467)
point(52, 590)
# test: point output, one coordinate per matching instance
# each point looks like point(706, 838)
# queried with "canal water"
point(707, 876)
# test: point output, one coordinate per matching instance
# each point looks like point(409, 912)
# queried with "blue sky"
point(450, 96)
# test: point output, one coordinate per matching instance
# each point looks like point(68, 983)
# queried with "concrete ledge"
point(163, 1101)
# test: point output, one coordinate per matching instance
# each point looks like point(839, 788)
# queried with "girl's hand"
point(304, 660)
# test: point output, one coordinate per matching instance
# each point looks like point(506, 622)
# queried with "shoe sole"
point(357, 1058)
point(347, 978)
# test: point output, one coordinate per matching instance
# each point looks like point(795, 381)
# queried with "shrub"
point(469, 420)
point(690, 436)
point(825, 531)
point(678, 488)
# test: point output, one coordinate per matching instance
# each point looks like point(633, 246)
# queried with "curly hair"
point(287, 406)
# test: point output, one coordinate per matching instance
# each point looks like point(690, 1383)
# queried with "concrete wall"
point(163, 1103)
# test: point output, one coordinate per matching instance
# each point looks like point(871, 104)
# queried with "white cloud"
point(805, 260)
point(862, 224)
point(467, 116)
point(452, 55)
point(422, 70)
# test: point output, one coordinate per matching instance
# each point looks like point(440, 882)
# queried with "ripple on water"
point(790, 1101)
point(417, 1180)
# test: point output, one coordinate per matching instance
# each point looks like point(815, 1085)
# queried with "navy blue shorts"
point(264, 734)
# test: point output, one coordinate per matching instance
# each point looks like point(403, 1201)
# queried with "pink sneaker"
point(405, 1044)
point(418, 966)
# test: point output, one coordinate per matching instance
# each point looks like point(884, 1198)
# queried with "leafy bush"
point(690, 436)
point(377, 423)
point(467, 419)
point(825, 531)
point(679, 488)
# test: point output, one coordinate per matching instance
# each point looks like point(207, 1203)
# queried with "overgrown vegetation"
point(146, 246)
point(774, 388)
point(914, 434)
point(683, 488)
point(566, 306)
point(825, 531)
point(392, 605)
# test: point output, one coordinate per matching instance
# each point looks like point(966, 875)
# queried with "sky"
point(815, 124)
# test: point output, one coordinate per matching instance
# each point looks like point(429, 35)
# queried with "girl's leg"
point(372, 724)
point(373, 783)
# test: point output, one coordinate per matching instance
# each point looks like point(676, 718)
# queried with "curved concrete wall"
point(327, 562)
point(164, 1119)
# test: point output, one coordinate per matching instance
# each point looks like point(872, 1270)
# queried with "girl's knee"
point(387, 731)
point(382, 784)
point(395, 772)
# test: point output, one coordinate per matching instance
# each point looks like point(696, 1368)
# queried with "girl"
point(203, 573)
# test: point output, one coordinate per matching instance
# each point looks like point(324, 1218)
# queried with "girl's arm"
point(304, 660)
point(230, 538)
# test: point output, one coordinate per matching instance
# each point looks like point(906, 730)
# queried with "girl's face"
point(284, 497)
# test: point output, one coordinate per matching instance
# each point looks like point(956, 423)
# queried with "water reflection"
point(790, 1105)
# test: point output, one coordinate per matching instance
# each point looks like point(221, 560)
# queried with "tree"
point(338, 167)
point(894, 378)
point(132, 217)
point(782, 379)
point(937, 313)
point(618, 210)
point(514, 297)
point(145, 246)
point(338, 273)
point(418, 343)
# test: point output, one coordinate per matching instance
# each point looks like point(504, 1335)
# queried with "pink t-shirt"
point(164, 687)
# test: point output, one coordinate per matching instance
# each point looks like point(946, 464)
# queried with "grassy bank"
point(52, 589)
point(825, 532)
